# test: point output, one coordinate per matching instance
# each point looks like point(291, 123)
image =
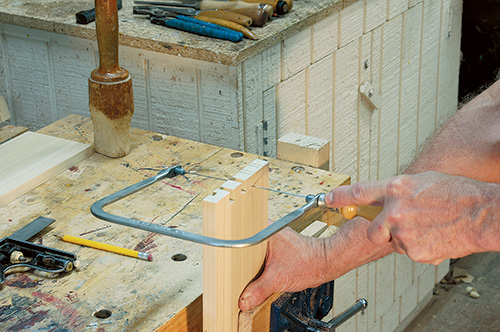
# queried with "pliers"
point(171, 19)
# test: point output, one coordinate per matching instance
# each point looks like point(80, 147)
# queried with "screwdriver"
point(348, 212)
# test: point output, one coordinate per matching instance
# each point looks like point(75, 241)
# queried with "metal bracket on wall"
point(371, 95)
point(303, 311)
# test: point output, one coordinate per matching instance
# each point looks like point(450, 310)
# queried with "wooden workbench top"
point(141, 295)
point(59, 16)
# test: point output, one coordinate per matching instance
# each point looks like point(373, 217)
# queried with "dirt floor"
point(453, 309)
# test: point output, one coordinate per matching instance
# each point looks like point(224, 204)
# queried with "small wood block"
point(305, 149)
point(32, 158)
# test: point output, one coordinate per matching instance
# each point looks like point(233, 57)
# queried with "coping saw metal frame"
point(97, 209)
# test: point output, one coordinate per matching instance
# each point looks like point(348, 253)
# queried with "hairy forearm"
point(469, 145)
point(350, 248)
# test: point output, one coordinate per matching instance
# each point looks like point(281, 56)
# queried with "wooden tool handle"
point(228, 16)
point(365, 211)
point(259, 16)
point(230, 25)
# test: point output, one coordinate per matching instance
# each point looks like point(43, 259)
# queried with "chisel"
point(209, 5)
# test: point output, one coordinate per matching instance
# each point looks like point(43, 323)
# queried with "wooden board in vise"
point(162, 295)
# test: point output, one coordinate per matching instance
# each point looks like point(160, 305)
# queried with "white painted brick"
point(426, 282)
point(270, 117)
point(325, 37)
point(138, 70)
point(390, 318)
point(271, 66)
point(449, 59)
point(375, 13)
point(410, 67)
point(291, 104)
point(395, 8)
point(351, 23)
point(252, 103)
point(408, 301)
point(376, 75)
point(429, 70)
point(345, 144)
point(32, 89)
point(389, 112)
point(320, 99)
point(384, 297)
point(442, 270)
point(404, 274)
point(365, 111)
point(296, 55)
point(344, 297)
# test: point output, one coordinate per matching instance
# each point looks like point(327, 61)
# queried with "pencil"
point(106, 247)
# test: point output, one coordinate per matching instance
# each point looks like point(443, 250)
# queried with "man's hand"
point(429, 216)
point(293, 263)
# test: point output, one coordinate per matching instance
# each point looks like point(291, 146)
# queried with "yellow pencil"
point(107, 247)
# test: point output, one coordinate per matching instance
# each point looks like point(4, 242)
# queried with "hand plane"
point(18, 255)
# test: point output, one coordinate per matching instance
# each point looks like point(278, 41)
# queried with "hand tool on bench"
point(258, 15)
point(184, 23)
point(220, 14)
point(110, 88)
point(158, 16)
point(280, 7)
point(210, 4)
point(97, 209)
point(17, 254)
point(87, 16)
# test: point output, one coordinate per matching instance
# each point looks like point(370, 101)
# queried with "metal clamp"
point(97, 209)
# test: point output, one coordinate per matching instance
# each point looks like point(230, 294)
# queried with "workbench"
point(139, 295)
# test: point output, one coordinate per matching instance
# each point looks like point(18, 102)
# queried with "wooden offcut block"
point(32, 158)
point(305, 149)
point(237, 210)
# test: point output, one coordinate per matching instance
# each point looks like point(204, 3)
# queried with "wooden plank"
point(345, 130)
point(308, 150)
point(429, 70)
point(449, 59)
point(236, 211)
point(376, 75)
point(8, 132)
point(366, 112)
point(390, 82)
point(410, 72)
point(32, 158)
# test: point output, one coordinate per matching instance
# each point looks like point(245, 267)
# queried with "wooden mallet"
point(111, 100)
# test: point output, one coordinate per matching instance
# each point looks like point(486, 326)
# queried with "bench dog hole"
point(103, 313)
point(179, 257)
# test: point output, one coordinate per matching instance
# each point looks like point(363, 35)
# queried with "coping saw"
point(97, 209)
